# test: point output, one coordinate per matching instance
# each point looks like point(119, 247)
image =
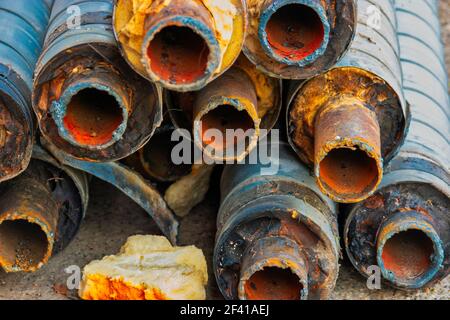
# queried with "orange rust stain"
point(103, 288)
point(178, 55)
point(273, 284)
point(374, 202)
point(348, 172)
point(222, 118)
point(295, 32)
point(407, 254)
point(92, 117)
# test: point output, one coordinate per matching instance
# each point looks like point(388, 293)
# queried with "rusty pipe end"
point(273, 268)
point(294, 32)
point(226, 120)
point(226, 130)
point(409, 250)
point(91, 113)
point(181, 53)
point(26, 242)
point(347, 150)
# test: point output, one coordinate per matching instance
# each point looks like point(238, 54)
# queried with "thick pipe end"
point(348, 163)
point(409, 250)
point(294, 32)
point(273, 268)
point(90, 115)
point(181, 53)
point(26, 243)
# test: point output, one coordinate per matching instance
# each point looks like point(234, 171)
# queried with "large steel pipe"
point(277, 234)
point(22, 27)
point(40, 212)
point(404, 228)
point(181, 44)
point(350, 119)
point(297, 39)
point(88, 101)
point(228, 116)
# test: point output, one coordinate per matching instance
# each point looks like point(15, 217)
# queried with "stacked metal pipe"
point(351, 119)
point(404, 228)
point(122, 88)
point(277, 233)
point(22, 26)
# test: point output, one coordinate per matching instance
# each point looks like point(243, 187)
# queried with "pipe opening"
point(178, 55)
point(348, 173)
point(227, 117)
point(92, 117)
point(24, 245)
point(408, 254)
point(294, 32)
point(157, 158)
point(272, 283)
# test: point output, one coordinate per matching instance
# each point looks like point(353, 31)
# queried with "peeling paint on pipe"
point(350, 121)
point(298, 39)
point(22, 26)
point(243, 99)
point(180, 44)
point(88, 101)
point(404, 228)
point(277, 234)
point(40, 212)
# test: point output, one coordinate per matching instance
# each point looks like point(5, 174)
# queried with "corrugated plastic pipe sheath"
point(22, 28)
point(297, 39)
point(88, 101)
point(277, 234)
point(181, 44)
point(404, 228)
point(40, 212)
point(349, 120)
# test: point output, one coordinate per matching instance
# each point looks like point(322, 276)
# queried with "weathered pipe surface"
point(349, 120)
point(22, 28)
point(130, 183)
point(243, 100)
point(40, 212)
point(277, 234)
point(88, 101)
point(298, 39)
point(181, 44)
point(404, 228)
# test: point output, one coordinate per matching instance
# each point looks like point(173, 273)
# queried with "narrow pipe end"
point(156, 157)
point(409, 250)
point(348, 163)
point(181, 53)
point(273, 268)
point(90, 115)
point(227, 129)
point(26, 243)
point(294, 32)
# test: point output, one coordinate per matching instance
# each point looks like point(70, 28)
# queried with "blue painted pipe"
point(270, 223)
point(22, 26)
point(404, 228)
point(88, 101)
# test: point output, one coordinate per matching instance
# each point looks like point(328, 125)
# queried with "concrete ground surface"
point(112, 217)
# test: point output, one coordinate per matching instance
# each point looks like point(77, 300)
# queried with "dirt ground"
point(112, 217)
